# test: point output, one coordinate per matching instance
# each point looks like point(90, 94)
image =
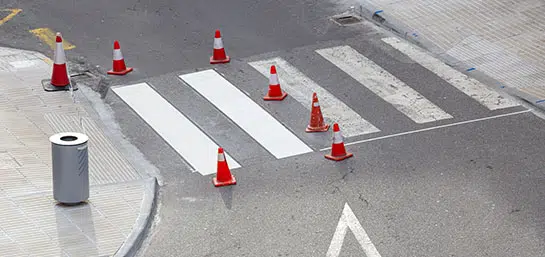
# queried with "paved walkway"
point(498, 39)
point(31, 223)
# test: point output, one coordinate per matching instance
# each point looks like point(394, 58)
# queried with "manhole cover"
point(347, 19)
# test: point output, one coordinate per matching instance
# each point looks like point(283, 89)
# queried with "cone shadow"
point(227, 196)
point(346, 168)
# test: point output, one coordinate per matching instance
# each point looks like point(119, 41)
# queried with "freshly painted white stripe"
point(431, 128)
point(471, 87)
point(300, 87)
point(178, 131)
point(347, 221)
point(248, 115)
point(384, 84)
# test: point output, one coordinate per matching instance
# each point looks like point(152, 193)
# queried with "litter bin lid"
point(68, 138)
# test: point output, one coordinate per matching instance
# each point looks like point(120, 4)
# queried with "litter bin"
point(70, 167)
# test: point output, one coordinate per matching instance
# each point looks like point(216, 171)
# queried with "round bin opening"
point(69, 138)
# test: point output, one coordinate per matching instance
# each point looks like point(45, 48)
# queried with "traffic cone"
point(219, 55)
point(60, 79)
point(223, 175)
point(338, 152)
point(275, 92)
point(119, 67)
point(316, 119)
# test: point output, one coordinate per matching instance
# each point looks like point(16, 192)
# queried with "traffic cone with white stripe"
point(275, 92)
point(316, 118)
point(119, 67)
point(60, 79)
point(223, 174)
point(219, 55)
point(338, 152)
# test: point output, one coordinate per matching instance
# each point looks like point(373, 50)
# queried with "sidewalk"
point(31, 223)
point(498, 41)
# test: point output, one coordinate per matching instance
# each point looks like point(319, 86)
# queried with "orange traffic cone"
point(223, 175)
point(219, 55)
point(316, 119)
point(338, 152)
point(60, 79)
point(275, 92)
point(119, 67)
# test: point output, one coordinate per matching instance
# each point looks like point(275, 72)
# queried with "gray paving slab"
point(121, 200)
point(501, 39)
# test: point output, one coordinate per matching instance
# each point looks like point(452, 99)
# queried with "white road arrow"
point(349, 220)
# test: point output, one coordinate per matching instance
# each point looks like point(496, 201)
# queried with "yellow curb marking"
point(10, 16)
point(47, 36)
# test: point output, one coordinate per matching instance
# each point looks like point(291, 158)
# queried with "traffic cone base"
point(323, 128)
point(339, 158)
point(217, 183)
point(213, 61)
point(47, 86)
point(123, 72)
point(275, 98)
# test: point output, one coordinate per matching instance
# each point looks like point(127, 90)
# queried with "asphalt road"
point(471, 185)
point(159, 37)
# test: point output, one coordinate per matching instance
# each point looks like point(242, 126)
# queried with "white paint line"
point(247, 114)
point(347, 221)
point(431, 128)
point(178, 131)
point(384, 84)
point(470, 86)
point(300, 87)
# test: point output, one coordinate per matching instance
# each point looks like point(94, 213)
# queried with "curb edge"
point(131, 245)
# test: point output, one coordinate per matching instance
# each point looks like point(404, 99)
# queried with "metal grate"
point(347, 19)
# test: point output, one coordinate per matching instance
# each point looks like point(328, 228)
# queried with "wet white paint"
point(177, 130)
point(247, 114)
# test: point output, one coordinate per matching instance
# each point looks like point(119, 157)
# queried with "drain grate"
point(347, 19)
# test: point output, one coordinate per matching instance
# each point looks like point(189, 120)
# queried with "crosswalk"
point(273, 133)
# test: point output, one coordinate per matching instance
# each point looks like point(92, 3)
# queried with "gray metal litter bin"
point(70, 167)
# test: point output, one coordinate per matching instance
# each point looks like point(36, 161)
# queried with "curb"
point(133, 242)
point(378, 17)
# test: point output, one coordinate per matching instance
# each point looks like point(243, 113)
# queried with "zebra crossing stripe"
point(384, 84)
point(469, 86)
point(247, 114)
point(178, 131)
point(301, 87)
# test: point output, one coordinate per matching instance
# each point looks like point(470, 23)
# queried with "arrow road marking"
point(349, 220)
